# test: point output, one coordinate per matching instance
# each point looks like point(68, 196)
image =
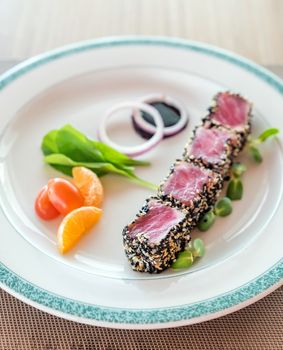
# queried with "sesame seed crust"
point(152, 257)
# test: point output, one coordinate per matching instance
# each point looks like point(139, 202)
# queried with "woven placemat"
point(257, 327)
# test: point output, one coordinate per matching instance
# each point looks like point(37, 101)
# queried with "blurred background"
point(252, 28)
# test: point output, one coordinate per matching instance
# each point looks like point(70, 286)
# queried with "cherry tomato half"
point(43, 207)
point(64, 196)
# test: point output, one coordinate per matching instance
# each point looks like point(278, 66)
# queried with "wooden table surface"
point(253, 28)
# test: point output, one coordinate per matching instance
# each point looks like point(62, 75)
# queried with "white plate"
point(94, 284)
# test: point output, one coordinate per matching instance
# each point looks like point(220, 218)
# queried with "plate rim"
point(140, 318)
point(222, 303)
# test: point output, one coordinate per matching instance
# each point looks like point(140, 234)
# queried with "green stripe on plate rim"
point(138, 316)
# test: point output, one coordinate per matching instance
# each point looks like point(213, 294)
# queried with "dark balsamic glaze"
point(169, 114)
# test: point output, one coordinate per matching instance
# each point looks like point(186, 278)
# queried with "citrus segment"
point(89, 185)
point(75, 225)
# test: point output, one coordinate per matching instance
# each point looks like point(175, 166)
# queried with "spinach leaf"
point(61, 159)
point(67, 147)
point(76, 145)
point(66, 164)
point(49, 144)
point(73, 143)
point(116, 157)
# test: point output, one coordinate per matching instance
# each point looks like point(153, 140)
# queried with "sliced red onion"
point(139, 149)
point(146, 129)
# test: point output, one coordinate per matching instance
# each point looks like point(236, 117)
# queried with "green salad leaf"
point(48, 144)
point(267, 133)
point(253, 143)
point(67, 147)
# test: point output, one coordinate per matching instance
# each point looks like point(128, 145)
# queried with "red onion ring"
point(149, 129)
point(139, 149)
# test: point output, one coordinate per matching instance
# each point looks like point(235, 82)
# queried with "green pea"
point(198, 248)
point(238, 169)
point(235, 189)
point(206, 221)
point(223, 207)
point(184, 260)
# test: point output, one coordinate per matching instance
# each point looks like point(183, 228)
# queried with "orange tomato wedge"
point(89, 185)
point(64, 195)
point(75, 225)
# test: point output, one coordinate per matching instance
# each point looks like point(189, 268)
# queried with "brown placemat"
point(257, 327)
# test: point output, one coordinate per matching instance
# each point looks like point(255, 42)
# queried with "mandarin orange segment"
point(75, 225)
point(89, 185)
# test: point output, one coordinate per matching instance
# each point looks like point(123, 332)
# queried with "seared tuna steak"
point(154, 238)
point(233, 112)
point(162, 228)
point(212, 147)
point(192, 187)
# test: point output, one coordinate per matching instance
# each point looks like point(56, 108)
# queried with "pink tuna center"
point(157, 222)
point(231, 111)
point(186, 182)
point(209, 144)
